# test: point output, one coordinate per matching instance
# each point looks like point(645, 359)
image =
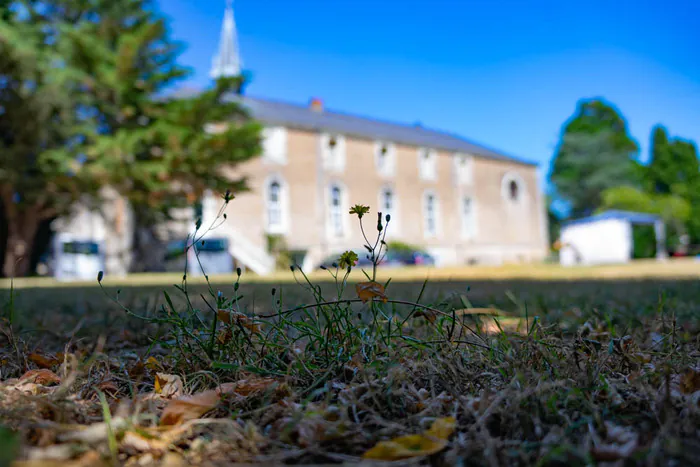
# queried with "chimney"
point(316, 104)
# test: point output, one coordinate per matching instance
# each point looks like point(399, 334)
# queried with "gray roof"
point(298, 116)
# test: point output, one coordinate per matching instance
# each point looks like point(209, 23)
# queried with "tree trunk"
point(149, 250)
point(20, 241)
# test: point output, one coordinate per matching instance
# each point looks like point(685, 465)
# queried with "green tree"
point(595, 152)
point(674, 169)
point(113, 61)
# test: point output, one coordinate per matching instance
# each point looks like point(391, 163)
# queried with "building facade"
point(462, 202)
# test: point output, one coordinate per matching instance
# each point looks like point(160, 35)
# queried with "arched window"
point(336, 210)
point(513, 188)
point(430, 215)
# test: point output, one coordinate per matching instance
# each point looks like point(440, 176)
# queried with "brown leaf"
point(428, 314)
point(369, 290)
point(234, 318)
point(137, 370)
point(42, 361)
point(108, 387)
point(43, 377)
point(690, 381)
point(168, 386)
point(247, 387)
point(189, 408)
point(480, 311)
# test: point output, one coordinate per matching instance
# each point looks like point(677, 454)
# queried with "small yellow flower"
point(360, 210)
point(347, 259)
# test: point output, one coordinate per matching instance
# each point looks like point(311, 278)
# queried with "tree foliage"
point(595, 152)
point(86, 110)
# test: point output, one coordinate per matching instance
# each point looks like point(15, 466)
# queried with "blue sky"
point(506, 74)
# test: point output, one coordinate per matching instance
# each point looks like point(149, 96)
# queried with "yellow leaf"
point(152, 364)
point(432, 441)
point(405, 447)
point(368, 290)
point(189, 408)
point(443, 427)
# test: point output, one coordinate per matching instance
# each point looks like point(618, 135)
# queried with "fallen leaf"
point(142, 443)
point(430, 442)
point(43, 377)
point(168, 385)
point(368, 290)
point(428, 314)
point(152, 364)
point(137, 370)
point(247, 387)
point(443, 427)
point(108, 387)
point(189, 407)
point(42, 361)
point(233, 317)
point(690, 381)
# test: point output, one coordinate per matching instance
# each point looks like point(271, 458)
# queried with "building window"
point(275, 144)
point(463, 167)
point(427, 164)
point(276, 206)
point(387, 203)
point(384, 154)
point(333, 152)
point(430, 214)
point(336, 211)
point(513, 188)
point(468, 217)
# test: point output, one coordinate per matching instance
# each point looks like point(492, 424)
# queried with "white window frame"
point(275, 144)
point(436, 213)
point(427, 166)
point(506, 181)
point(385, 163)
point(333, 157)
point(337, 231)
point(468, 221)
point(463, 168)
point(283, 202)
point(395, 203)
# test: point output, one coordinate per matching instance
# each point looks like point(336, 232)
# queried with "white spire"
point(228, 62)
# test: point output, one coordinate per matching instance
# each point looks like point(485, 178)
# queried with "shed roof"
point(629, 216)
point(299, 116)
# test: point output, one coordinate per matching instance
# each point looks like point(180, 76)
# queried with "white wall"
point(598, 242)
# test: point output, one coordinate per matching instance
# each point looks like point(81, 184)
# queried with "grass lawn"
point(518, 365)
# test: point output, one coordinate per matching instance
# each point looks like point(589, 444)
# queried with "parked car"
point(409, 258)
point(362, 260)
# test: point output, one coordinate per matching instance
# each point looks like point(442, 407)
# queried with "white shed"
point(606, 238)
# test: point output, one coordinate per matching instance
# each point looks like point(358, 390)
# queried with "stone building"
point(462, 202)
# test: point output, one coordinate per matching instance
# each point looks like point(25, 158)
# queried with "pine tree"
point(115, 63)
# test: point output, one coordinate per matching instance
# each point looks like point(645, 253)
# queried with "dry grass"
point(685, 268)
point(581, 372)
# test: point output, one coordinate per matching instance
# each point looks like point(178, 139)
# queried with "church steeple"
point(228, 62)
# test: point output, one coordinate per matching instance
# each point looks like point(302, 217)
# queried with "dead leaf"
point(152, 364)
point(428, 314)
point(168, 386)
point(690, 381)
point(142, 443)
point(369, 290)
point(247, 387)
point(189, 407)
point(137, 370)
point(42, 361)
point(43, 377)
point(430, 442)
point(234, 318)
point(108, 387)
